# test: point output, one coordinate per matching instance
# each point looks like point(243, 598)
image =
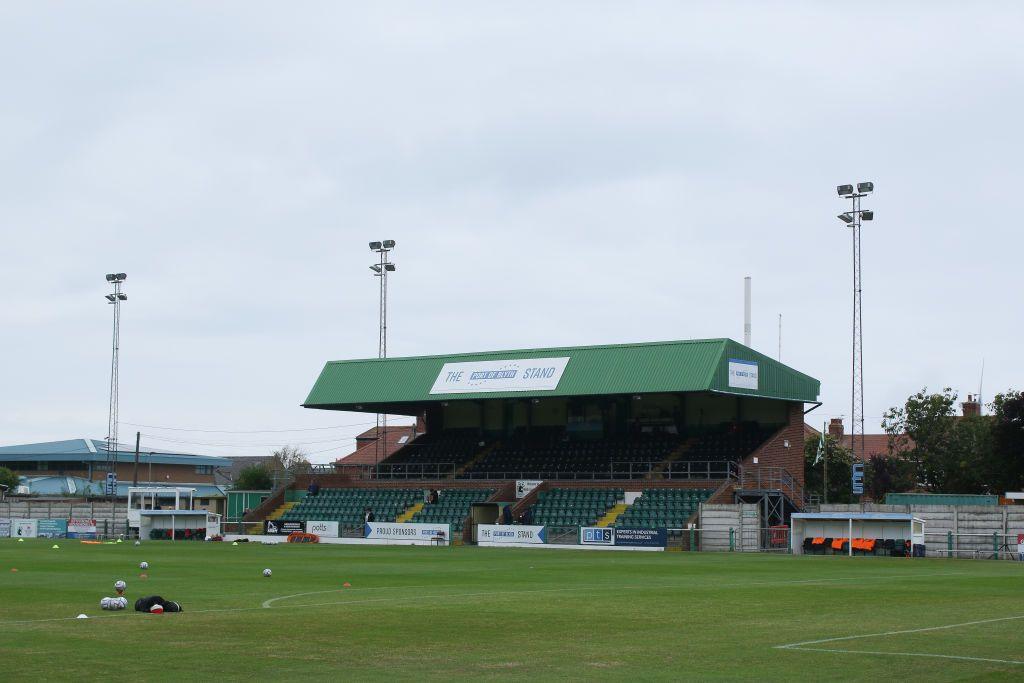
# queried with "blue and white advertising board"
point(52, 528)
point(528, 374)
point(408, 531)
point(645, 538)
point(510, 534)
point(742, 374)
point(597, 535)
point(5, 528)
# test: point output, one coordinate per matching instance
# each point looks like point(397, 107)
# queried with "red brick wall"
point(774, 453)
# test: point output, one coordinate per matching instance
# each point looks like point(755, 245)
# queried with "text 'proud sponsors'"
point(407, 531)
point(511, 534)
point(529, 374)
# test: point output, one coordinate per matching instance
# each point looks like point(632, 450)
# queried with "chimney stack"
point(835, 428)
point(971, 407)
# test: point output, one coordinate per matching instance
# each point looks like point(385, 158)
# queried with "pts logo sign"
point(597, 536)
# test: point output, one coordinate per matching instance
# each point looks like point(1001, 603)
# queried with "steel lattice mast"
point(381, 270)
point(115, 298)
point(853, 219)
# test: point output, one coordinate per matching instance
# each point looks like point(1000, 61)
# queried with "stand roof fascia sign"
point(404, 385)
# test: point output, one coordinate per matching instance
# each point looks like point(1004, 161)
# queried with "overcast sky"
point(553, 173)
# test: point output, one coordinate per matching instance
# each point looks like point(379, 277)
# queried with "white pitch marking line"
point(456, 595)
point(898, 633)
point(907, 654)
point(804, 645)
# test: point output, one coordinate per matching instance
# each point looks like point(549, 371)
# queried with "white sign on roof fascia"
point(482, 376)
point(742, 374)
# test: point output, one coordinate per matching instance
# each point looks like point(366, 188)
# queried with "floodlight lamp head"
point(389, 244)
point(374, 246)
point(122, 297)
point(844, 190)
point(866, 187)
point(846, 217)
point(122, 276)
point(868, 215)
point(390, 267)
point(110, 297)
point(375, 267)
point(111, 277)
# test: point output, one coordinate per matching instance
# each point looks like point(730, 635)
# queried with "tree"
point(840, 470)
point(254, 478)
point(9, 479)
point(1007, 466)
point(288, 463)
point(950, 454)
point(888, 473)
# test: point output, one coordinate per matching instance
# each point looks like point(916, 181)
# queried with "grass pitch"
point(431, 613)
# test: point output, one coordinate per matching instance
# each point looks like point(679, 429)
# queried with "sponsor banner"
point(24, 528)
point(742, 374)
point(525, 486)
point(596, 535)
point(529, 374)
point(511, 534)
point(5, 528)
point(650, 538)
point(275, 527)
point(407, 531)
point(325, 529)
point(51, 528)
point(81, 528)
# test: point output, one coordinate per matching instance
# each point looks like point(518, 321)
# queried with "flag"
point(821, 449)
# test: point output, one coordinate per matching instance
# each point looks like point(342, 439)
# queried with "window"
point(204, 469)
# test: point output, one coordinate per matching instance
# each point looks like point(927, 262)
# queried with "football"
point(143, 565)
point(267, 572)
point(105, 603)
point(157, 609)
point(120, 585)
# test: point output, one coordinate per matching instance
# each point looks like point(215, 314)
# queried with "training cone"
point(82, 616)
point(21, 540)
point(14, 569)
point(234, 543)
point(56, 547)
point(143, 576)
point(119, 540)
point(347, 584)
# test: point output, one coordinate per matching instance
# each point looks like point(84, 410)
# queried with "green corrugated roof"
point(654, 367)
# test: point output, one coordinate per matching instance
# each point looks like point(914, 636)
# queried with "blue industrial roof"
point(77, 486)
point(868, 516)
point(95, 450)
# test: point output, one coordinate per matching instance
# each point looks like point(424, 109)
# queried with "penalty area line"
point(807, 645)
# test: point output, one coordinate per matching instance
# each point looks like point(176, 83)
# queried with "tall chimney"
point(746, 311)
point(835, 428)
point(971, 407)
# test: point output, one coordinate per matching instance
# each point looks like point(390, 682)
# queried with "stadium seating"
point(452, 507)
point(349, 505)
point(731, 443)
point(453, 446)
point(669, 508)
point(574, 507)
point(548, 453)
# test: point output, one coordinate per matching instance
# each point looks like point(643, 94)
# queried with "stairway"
point(408, 514)
point(612, 514)
point(276, 514)
point(672, 457)
point(476, 458)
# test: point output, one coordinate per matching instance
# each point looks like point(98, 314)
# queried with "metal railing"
point(659, 470)
point(772, 479)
